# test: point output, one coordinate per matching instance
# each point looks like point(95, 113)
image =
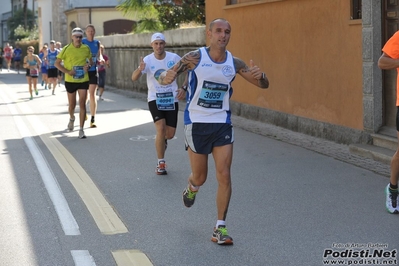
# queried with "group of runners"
point(209, 72)
point(11, 55)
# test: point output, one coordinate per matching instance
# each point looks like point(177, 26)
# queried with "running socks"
point(220, 222)
point(393, 188)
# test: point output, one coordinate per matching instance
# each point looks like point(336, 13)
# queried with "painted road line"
point(68, 222)
point(82, 258)
point(132, 257)
point(103, 213)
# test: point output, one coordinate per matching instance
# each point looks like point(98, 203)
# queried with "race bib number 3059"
point(212, 95)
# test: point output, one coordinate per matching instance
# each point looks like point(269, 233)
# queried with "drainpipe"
point(89, 15)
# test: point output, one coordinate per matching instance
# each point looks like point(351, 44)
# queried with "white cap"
point(77, 31)
point(157, 37)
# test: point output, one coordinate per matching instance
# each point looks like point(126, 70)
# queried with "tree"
point(16, 19)
point(144, 11)
point(164, 14)
point(173, 13)
point(25, 14)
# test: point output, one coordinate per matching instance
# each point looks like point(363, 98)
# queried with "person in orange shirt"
point(390, 60)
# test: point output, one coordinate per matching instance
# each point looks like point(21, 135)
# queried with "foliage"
point(155, 15)
point(15, 21)
point(144, 11)
point(172, 15)
point(21, 34)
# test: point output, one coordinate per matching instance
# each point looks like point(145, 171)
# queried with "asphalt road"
point(98, 201)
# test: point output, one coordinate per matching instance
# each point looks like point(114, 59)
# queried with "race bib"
point(165, 101)
point(79, 72)
point(34, 72)
point(51, 61)
point(212, 95)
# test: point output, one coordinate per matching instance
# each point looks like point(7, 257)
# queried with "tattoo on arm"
point(188, 61)
point(240, 65)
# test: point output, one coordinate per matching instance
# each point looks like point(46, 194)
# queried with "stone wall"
point(125, 50)
point(59, 21)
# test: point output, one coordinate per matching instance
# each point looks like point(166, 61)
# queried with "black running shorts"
point(169, 116)
point(93, 77)
point(202, 137)
point(72, 87)
point(52, 73)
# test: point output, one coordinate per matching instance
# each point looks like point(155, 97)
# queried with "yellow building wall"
point(95, 16)
point(310, 50)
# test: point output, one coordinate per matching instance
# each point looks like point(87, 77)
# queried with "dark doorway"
point(119, 26)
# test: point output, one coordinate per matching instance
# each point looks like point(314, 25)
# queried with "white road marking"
point(82, 258)
point(67, 220)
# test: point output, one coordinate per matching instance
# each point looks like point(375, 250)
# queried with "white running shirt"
point(210, 90)
point(153, 68)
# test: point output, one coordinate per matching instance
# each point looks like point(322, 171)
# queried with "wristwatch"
point(263, 76)
point(184, 88)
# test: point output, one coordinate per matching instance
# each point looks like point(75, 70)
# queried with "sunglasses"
point(79, 37)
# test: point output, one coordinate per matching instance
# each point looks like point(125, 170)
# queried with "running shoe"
point(70, 124)
point(31, 98)
point(221, 237)
point(36, 92)
point(189, 196)
point(53, 93)
point(45, 87)
point(82, 134)
point(161, 168)
point(42, 83)
point(391, 200)
point(93, 124)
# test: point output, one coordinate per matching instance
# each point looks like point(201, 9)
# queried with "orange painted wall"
point(311, 52)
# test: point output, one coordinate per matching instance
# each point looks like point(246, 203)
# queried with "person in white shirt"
point(207, 118)
point(162, 99)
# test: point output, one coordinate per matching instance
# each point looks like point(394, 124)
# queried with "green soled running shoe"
point(189, 197)
point(221, 237)
point(391, 200)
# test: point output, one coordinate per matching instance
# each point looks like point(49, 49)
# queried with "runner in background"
point(32, 64)
point(8, 55)
point(101, 66)
point(1, 59)
point(52, 71)
point(60, 74)
point(43, 69)
point(93, 79)
point(17, 54)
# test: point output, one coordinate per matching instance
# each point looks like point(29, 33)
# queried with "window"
point(233, 2)
point(356, 9)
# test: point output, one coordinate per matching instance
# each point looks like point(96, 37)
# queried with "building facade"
point(58, 17)
point(321, 59)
